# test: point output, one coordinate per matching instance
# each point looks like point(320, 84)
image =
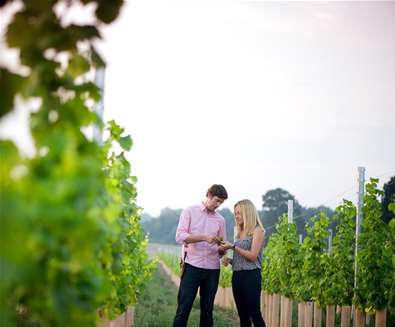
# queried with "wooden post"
point(263, 304)
point(217, 296)
point(345, 316)
point(381, 318)
point(276, 310)
point(119, 321)
point(317, 315)
point(287, 312)
point(308, 315)
point(231, 300)
point(225, 298)
point(221, 301)
point(282, 318)
point(301, 311)
point(330, 315)
point(103, 322)
point(267, 306)
point(129, 317)
point(359, 318)
point(229, 296)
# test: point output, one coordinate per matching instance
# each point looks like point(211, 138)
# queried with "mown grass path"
point(157, 305)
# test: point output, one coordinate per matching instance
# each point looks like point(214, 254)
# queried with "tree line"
point(162, 228)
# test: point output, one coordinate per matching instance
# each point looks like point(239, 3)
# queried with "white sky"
point(253, 95)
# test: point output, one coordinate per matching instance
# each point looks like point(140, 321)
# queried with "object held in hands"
point(219, 240)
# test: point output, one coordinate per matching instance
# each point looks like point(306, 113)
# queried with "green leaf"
point(107, 11)
point(391, 207)
point(115, 130)
point(78, 65)
point(126, 142)
point(10, 85)
point(83, 33)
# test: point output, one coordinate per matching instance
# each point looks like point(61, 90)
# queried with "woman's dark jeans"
point(246, 287)
point(192, 279)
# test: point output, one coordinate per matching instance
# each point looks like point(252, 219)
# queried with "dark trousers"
point(192, 279)
point(246, 287)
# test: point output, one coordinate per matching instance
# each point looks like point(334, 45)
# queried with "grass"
point(157, 306)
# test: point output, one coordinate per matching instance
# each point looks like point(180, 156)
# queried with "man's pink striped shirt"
point(197, 220)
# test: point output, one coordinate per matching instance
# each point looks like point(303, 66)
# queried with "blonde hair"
point(250, 218)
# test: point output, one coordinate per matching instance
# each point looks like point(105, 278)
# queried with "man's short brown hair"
point(217, 190)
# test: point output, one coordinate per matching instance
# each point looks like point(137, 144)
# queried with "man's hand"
point(215, 239)
point(211, 239)
point(221, 250)
point(220, 240)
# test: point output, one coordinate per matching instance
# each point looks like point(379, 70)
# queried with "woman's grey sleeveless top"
point(240, 262)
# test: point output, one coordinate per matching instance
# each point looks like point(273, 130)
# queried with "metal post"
point(361, 187)
point(290, 211)
point(300, 238)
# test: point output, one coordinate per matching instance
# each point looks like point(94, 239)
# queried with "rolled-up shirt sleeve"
point(182, 231)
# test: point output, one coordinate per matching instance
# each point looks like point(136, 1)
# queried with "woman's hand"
point(227, 245)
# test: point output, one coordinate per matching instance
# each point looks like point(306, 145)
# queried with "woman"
point(246, 263)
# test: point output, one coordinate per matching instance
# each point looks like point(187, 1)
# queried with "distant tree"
point(163, 228)
point(145, 217)
point(275, 204)
point(229, 221)
point(389, 196)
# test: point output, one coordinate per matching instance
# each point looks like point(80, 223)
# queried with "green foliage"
point(9, 85)
point(172, 261)
point(287, 262)
point(271, 265)
point(375, 254)
point(225, 277)
point(71, 242)
point(391, 296)
point(388, 199)
point(128, 268)
point(311, 273)
point(339, 273)
point(315, 260)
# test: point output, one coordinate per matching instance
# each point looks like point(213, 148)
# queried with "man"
point(200, 228)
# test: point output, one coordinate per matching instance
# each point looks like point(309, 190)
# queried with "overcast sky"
point(253, 95)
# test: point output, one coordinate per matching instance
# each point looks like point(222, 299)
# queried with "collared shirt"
point(197, 220)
